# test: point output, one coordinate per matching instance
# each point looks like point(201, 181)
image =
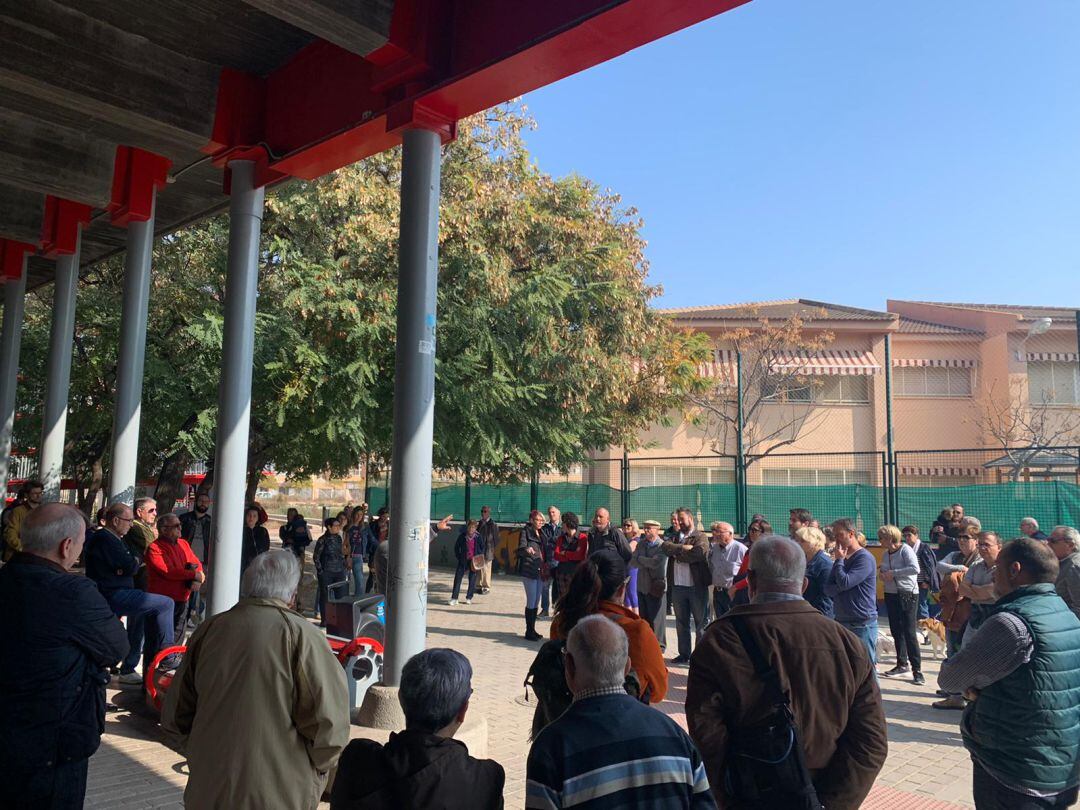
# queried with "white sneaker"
point(468, 601)
point(452, 602)
point(129, 679)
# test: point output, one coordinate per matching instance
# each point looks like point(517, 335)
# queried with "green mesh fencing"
point(709, 501)
point(864, 503)
point(1000, 507)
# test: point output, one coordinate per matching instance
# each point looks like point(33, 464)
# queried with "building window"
point(666, 475)
point(799, 477)
point(831, 389)
point(931, 381)
point(1053, 382)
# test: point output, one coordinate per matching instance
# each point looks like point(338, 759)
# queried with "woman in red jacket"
point(173, 570)
point(739, 593)
point(571, 547)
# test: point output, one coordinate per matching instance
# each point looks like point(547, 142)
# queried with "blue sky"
point(844, 150)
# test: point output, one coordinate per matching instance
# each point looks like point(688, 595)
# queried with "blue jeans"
point(358, 576)
point(867, 633)
point(532, 592)
point(545, 595)
point(924, 604)
point(690, 601)
point(153, 612)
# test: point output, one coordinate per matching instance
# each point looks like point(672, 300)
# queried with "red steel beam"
point(328, 108)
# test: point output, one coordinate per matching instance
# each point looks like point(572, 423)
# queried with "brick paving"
point(927, 768)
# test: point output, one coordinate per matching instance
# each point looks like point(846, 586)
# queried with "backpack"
point(547, 678)
point(765, 765)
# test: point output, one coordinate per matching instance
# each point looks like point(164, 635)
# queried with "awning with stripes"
point(909, 362)
point(941, 472)
point(1060, 357)
point(720, 368)
point(828, 362)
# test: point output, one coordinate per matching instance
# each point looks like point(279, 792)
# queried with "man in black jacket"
point(112, 566)
point(422, 766)
point(57, 641)
point(603, 535)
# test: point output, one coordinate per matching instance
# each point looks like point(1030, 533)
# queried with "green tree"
point(546, 348)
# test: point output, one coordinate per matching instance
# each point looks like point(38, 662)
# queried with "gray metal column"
point(414, 402)
point(129, 367)
point(14, 291)
point(58, 373)
point(234, 391)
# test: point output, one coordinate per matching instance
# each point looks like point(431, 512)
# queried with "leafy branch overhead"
point(543, 323)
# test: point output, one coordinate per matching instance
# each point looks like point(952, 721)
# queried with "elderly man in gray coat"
point(1065, 543)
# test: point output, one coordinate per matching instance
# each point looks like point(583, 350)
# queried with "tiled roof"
point(1027, 313)
point(911, 326)
point(811, 310)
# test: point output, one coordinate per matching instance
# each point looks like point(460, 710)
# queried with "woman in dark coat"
point(256, 538)
point(530, 555)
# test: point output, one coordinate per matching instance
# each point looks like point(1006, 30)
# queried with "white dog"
point(885, 644)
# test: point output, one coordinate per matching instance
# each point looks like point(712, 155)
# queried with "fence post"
point(534, 490)
point(624, 486)
point(468, 494)
point(890, 478)
point(740, 461)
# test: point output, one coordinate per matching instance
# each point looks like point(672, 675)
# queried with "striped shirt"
point(611, 751)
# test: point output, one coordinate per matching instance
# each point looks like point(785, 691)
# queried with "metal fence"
point(999, 487)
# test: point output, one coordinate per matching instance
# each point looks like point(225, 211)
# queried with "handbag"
point(766, 764)
point(477, 562)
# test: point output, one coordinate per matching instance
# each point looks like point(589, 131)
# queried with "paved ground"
point(927, 767)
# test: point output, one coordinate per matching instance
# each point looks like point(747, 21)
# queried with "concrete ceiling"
point(81, 77)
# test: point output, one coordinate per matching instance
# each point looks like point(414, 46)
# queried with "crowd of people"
point(779, 634)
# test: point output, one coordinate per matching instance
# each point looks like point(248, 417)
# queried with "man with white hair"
point(825, 673)
point(1064, 541)
point(260, 703)
point(1029, 527)
point(422, 766)
point(57, 641)
point(608, 748)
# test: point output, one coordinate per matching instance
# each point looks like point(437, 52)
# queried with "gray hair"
point(600, 649)
point(1070, 534)
point(47, 526)
point(777, 562)
point(434, 686)
point(972, 522)
point(272, 575)
point(141, 503)
point(1030, 521)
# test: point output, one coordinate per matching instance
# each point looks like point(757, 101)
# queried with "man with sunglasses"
point(111, 564)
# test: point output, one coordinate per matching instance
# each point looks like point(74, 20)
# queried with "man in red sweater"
point(173, 570)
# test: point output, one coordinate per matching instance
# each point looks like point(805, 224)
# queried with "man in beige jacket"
point(260, 703)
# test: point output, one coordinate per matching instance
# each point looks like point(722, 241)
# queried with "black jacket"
point(255, 542)
point(57, 639)
point(928, 572)
point(188, 522)
point(295, 534)
point(490, 532)
point(415, 770)
point(612, 538)
point(110, 563)
point(529, 564)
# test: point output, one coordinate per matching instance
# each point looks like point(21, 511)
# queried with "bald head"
point(54, 531)
point(598, 654)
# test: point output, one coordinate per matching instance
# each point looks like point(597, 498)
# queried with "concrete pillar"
point(234, 390)
point(58, 373)
point(129, 368)
point(14, 292)
point(414, 402)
